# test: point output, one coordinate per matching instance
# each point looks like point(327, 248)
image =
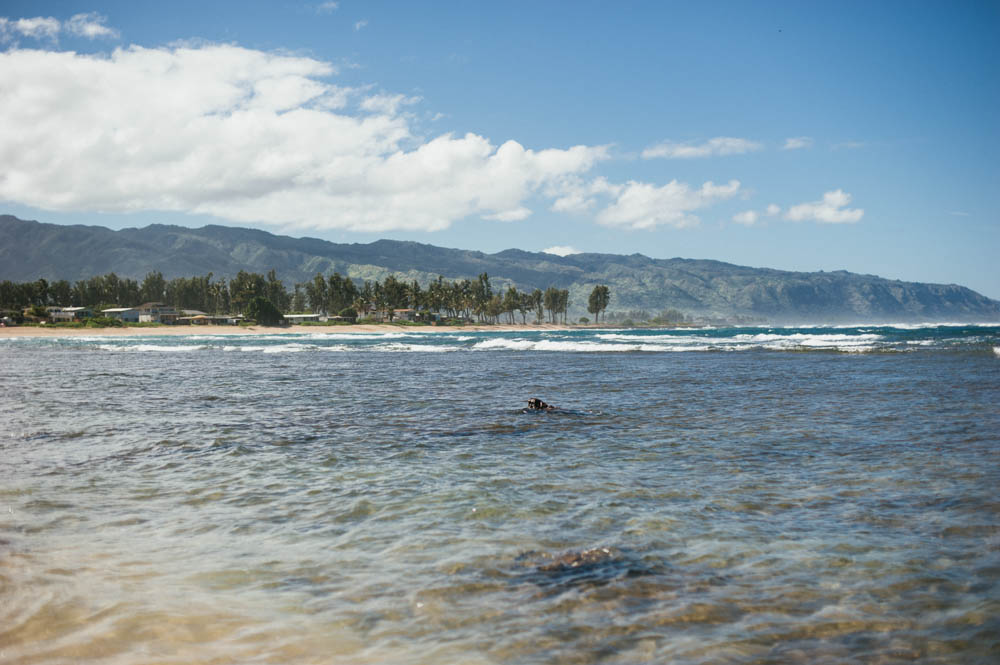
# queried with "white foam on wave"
point(290, 348)
point(811, 338)
point(361, 336)
point(505, 343)
point(922, 325)
point(658, 344)
point(508, 344)
point(212, 338)
point(273, 348)
point(399, 347)
point(775, 341)
point(996, 351)
point(183, 348)
point(625, 337)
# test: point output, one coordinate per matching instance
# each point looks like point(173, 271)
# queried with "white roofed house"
point(127, 314)
point(299, 318)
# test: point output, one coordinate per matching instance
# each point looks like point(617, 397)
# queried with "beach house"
point(299, 318)
point(126, 314)
point(157, 312)
point(63, 314)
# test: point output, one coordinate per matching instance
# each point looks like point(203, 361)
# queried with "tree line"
point(332, 295)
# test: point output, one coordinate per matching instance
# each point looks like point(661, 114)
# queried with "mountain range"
point(30, 250)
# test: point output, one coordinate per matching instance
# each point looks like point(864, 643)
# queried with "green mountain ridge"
point(30, 250)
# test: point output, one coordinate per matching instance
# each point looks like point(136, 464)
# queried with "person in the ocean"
point(535, 404)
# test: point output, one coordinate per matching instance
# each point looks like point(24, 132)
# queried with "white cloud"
point(831, 210)
point(562, 250)
point(641, 205)
point(39, 27)
point(251, 137)
point(798, 143)
point(360, 24)
point(388, 104)
point(327, 7)
point(751, 217)
point(90, 25)
point(514, 215)
point(573, 195)
point(720, 145)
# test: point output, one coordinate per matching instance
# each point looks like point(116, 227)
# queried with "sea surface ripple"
point(770, 495)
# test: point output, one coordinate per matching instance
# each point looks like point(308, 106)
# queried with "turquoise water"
point(743, 495)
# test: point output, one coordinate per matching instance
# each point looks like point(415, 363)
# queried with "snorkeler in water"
point(535, 404)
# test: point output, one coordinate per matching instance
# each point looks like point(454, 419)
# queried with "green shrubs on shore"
point(94, 322)
point(103, 322)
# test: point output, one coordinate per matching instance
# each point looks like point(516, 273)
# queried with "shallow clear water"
point(768, 496)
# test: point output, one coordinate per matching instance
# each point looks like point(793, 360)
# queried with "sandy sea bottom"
point(314, 500)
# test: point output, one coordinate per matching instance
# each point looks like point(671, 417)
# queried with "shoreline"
point(178, 331)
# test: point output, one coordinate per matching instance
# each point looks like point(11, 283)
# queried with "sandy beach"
point(55, 331)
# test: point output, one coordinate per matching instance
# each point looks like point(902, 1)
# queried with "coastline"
point(46, 331)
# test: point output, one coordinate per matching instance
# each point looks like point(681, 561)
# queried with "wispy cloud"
point(720, 145)
point(327, 7)
point(512, 215)
point(848, 145)
point(798, 143)
point(360, 24)
point(830, 210)
point(90, 26)
point(39, 27)
point(751, 217)
point(389, 104)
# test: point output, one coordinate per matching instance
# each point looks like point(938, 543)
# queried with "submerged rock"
point(591, 557)
point(595, 566)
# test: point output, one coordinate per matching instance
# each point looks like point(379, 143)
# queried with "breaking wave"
point(857, 340)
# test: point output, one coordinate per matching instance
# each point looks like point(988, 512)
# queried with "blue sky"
point(793, 135)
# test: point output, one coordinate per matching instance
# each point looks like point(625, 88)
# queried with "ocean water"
point(743, 495)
